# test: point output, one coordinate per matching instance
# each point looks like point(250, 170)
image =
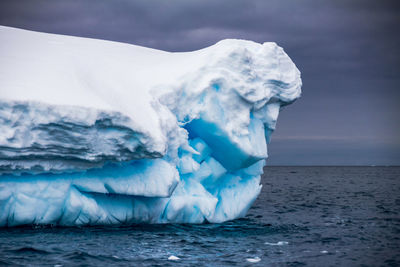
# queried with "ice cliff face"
point(98, 132)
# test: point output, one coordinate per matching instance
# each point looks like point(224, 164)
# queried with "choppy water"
point(318, 216)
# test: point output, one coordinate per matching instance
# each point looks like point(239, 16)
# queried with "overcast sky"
point(347, 51)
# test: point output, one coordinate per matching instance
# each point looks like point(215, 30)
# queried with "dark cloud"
point(347, 51)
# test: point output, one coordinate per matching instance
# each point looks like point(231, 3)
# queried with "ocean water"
point(305, 216)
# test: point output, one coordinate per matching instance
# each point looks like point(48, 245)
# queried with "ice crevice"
point(94, 132)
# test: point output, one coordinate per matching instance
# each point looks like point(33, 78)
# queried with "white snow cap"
point(100, 132)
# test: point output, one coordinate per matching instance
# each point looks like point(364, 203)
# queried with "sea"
point(304, 216)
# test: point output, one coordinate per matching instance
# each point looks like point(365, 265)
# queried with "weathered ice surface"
point(99, 132)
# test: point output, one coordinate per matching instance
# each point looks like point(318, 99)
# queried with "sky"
point(347, 51)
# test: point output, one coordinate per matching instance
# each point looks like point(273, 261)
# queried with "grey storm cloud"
point(347, 51)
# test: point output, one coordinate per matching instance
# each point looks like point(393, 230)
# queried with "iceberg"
point(95, 132)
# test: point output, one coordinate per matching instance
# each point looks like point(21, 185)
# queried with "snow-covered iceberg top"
point(99, 132)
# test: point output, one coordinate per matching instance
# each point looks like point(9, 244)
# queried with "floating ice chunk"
point(279, 243)
point(253, 260)
point(98, 132)
point(173, 258)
